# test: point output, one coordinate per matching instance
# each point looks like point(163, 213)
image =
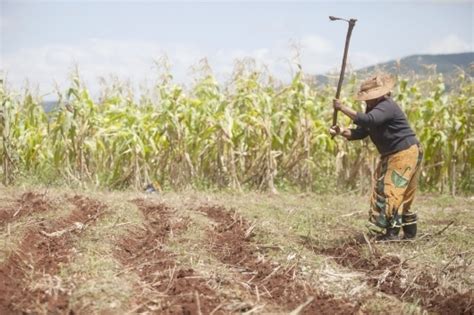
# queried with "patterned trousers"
point(395, 183)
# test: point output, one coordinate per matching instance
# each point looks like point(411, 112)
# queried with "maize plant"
point(249, 134)
point(5, 129)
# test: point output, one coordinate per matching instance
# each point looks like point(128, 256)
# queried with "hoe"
point(352, 23)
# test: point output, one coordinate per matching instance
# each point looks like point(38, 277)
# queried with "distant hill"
point(49, 105)
point(419, 65)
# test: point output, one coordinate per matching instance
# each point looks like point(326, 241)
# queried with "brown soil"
point(26, 204)
point(175, 289)
point(230, 242)
point(388, 275)
point(39, 256)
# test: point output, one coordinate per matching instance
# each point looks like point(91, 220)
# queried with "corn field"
point(251, 133)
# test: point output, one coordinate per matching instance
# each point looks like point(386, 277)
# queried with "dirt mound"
point(37, 260)
point(456, 303)
point(437, 299)
point(230, 241)
point(87, 210)
point(385, 270)
point(175, 289)
point(391, 275)
point(26, 204)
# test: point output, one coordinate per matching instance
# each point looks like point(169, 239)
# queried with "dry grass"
point(100, 282)
point(282, 223)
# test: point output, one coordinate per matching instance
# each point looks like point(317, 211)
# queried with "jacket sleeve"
point(358, 133)
point(376, 117)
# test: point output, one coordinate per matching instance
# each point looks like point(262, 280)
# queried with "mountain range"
point(415, 65)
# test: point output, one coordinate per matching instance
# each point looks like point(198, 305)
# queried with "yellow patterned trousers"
point(395, 183)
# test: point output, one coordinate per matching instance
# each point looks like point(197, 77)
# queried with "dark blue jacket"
point(387, 126)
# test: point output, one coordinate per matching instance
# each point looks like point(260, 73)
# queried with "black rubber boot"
point(409, 231)
point(409, 226)
point(391, 234)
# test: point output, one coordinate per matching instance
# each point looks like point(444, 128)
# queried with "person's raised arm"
point(345, 109)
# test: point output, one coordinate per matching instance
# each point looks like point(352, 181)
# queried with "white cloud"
point(362, 59)
point(3, 27)
point(46, 65)
point(316, 44)
point(5, 22)
point(449, 45)
point(312, 52)
point(133, 60)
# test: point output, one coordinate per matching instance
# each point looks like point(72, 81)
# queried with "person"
point(398, 169)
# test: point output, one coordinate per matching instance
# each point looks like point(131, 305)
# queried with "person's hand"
point(336, 104)
point(334, 131)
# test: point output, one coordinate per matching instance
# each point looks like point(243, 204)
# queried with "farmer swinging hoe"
point(396, 176)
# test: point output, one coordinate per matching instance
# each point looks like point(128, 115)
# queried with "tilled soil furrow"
point(29, 281)
point(27, 204)
point(231, 244)
point(169, 287)
point(392, 276)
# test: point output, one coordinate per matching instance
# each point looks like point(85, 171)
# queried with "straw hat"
point(375, 87)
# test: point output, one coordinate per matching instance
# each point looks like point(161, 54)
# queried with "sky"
point(42, 41)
